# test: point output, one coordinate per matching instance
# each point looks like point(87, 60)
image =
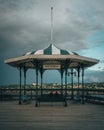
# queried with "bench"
point(25, 99)
point(50, 98)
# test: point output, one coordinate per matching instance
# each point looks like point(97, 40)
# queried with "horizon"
point(33, 84)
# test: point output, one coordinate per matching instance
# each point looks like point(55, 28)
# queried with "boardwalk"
point(51, 117)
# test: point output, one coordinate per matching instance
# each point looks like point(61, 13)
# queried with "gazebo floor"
point(51, 116)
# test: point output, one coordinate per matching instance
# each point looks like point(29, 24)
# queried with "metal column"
point(62, 71)
point(36, 85)
point(82, 85)
point(78, 70)
point(25, 80)
point(72, 81)
point(66, 83)
point(20, 74)
point(41, 73)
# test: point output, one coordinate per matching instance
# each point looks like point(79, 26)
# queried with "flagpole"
point(51, 25)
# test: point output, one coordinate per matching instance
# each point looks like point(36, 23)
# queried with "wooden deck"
point(51, 116)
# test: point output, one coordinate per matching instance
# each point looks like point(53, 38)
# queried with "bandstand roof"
point(51, 58)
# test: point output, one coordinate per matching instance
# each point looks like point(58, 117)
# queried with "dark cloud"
point(17, 4)
point(25, 25)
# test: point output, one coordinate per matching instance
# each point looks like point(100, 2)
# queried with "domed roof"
point(51, 50)
point(51, 57)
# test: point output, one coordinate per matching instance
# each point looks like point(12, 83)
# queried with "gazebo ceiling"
point(51, 58)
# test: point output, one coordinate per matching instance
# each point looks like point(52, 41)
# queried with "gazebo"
point(52, 58)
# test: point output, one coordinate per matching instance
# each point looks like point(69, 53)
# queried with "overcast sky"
point(25, 25)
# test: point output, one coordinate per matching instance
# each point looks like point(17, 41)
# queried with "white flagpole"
point(51, 25)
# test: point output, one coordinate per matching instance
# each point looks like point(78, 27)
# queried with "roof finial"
point(51, 25)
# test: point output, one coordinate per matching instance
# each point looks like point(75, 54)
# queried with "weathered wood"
point(56, 117)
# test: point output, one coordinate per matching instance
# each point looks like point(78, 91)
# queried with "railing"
point(13, 94)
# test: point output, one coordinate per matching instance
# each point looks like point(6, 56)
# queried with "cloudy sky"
point(25, 25)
